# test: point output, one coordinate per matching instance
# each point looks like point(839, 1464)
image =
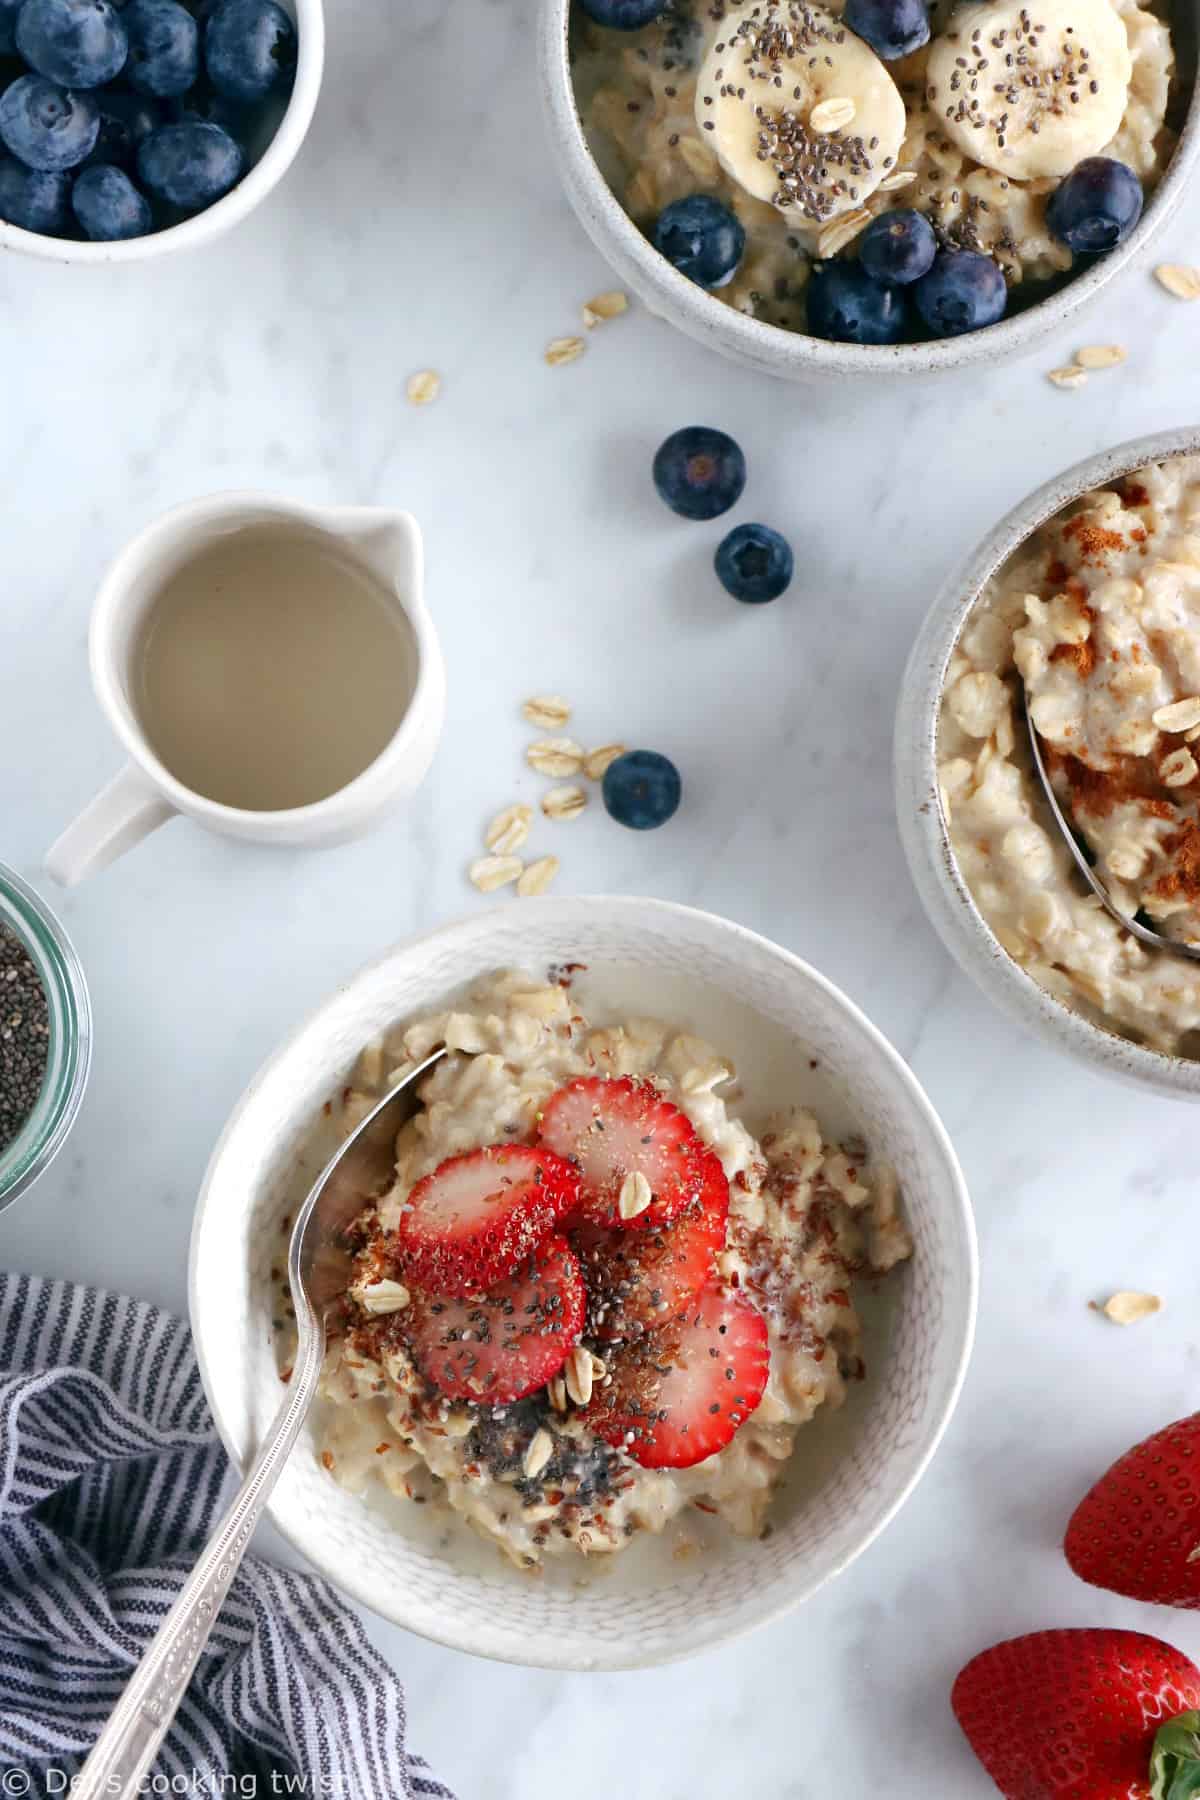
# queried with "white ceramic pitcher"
point(145, 794)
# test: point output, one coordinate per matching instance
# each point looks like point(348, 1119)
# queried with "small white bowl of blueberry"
point(133, 127)
point(870, 186)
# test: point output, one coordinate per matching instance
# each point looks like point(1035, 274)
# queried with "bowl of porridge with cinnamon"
point(869, 185)
point(1084, 607)
point(661, 1317)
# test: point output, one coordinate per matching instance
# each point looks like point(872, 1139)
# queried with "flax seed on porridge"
point(1097, 618)
point(687, 1303)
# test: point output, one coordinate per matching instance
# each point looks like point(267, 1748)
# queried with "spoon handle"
point(127, 1746)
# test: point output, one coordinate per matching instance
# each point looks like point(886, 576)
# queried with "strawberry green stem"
point(1175, 1759)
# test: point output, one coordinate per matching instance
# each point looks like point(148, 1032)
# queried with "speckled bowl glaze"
point(792, 355)
point(791, 1035)
point(923, 829)
point(266, 172)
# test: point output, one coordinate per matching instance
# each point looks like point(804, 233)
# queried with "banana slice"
point(800, 112)
point(1029, 89)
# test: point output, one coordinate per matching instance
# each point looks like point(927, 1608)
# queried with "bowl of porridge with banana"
point(867, 184)
point(661, 1316)
point(1085, 629)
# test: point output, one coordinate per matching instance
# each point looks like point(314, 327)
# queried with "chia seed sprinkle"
point(24, 1036)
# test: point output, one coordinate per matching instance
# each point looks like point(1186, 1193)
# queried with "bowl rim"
point(770, 347)
point(921, 816)
point(234, 206)
point(460, 1636)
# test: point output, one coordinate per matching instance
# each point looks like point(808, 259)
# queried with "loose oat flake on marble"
point(562, 350)
point(1073, 376)
point(1100, 356)
point(605, 306)
point(488, 873)
point(549, 712)
point(537, 877)
point(564, 802)
point(597, 761)
point(1128, 1307)
point(424, 387)
point(1179, 279)
point(557, 757)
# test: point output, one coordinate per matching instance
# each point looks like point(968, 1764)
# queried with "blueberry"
point(46, 127)
point(623, 15)
point(963, 291)
point(897, 247)
point(846, 305)
point(8, 25)
point(77, 43)
point(190, 164)
point(701, 238)
point(1096, 207)
point(164, 47)
point(34, 199)
point(125, 119)
point(699, 472)
point(249, 48)
point(642, 789)
point(893, 28)
point(108, 206)
point(754, 564)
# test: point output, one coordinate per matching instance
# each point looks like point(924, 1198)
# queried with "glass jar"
point(45, 1131)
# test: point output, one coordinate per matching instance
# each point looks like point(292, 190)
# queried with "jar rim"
point(60, 972)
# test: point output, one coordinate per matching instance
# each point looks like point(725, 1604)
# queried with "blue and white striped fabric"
point(111, 1476)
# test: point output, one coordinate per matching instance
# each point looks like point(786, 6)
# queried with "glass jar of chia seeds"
point(45, 1036)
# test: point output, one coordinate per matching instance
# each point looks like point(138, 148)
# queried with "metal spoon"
point(1154, 940)
point(318, 1265)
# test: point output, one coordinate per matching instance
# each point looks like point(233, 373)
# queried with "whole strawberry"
point(1083, 1715)
point(1138, 1530)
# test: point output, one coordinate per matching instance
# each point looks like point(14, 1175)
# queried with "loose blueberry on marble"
point(642, 789)
point(125, 119)
point(893, 28)
point(699, 472)
point(754, 564)
point(1096, 206)
point(46, 127)
point(249, 48)
point(32, 198)
point(848, 307)
point(164, 47)
point(190, 164)
point(701, 238)
point(963, 291)
point(623, 15)
point(897, 247)
point(77, 43)
point(108, 206)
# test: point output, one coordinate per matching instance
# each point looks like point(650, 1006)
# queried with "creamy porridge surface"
point(1098, 615)
point(806, 1217)
point(637, 97)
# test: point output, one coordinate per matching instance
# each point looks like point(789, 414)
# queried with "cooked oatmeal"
point(806, 1218)
point(637, 94)
point(1098, 615)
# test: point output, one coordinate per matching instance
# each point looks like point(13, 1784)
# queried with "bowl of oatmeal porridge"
point(1085, 604)
point(812, 189)
point(461, 1474)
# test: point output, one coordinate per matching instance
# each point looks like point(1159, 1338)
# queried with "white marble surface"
point(422, 226)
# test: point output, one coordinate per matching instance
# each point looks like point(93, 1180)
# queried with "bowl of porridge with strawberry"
point(1084, 609)
point(658, 1323)
point(870, 185)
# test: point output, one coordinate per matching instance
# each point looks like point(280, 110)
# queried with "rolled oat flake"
point(24, 1035)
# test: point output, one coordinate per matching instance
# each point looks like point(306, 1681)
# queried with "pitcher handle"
point(120, 816)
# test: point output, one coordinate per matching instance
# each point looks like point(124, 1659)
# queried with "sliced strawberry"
point(678, 1395)
point(615, 1128)
point(469, 1224)
point(638, 1280)
point(500, 1346)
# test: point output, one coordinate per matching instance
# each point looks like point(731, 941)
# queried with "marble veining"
point(422, 226)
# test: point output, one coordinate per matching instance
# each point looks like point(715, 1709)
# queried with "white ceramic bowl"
point(774, 1015)
point(923, 830)
point(789, 354)
point(255, 185)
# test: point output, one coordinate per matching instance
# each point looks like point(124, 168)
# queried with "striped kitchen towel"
point(111, 1476)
